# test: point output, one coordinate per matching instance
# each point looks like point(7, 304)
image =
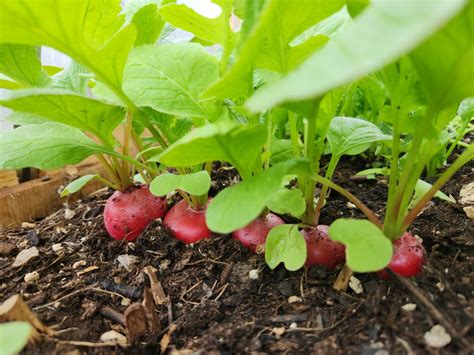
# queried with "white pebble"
point(78, 264)
point(437, 337)
point(57, 247)
point(32, 276)
point(253, 274)
point(409, 307)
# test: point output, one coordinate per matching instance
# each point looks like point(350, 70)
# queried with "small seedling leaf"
point(367, 248)
point(77, 184)
point(238, 205)
point(14, 336)
point(289, 201)
point(287, 245)
point(196, 184)
point(421, 188)
point(352, 136)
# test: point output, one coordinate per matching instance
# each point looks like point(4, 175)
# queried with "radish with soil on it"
point(186, 219)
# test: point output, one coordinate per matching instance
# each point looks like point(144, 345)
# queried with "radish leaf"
point(21, 63)
point(196, 184)
point(45, 146)
point(367, 248)
point(170, 78)
point(68, 108)
point(287, 245)
point(238, 205)
point(289, 201)
point(367, 44)
point(77, 184)
point(14, 336)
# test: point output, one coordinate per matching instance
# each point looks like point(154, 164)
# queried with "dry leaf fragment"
point(31, 276)
point(87, 269)
point(25, 255)
point(127, 261)
point(156, 288)
point(135, 322)
point(165, 341)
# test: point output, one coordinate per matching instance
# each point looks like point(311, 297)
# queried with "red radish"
point(255, 233)
point(408, 257)
point(321, 249)
point(187, 224)
point(128, 213)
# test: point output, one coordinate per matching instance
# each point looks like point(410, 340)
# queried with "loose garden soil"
point(215, 307)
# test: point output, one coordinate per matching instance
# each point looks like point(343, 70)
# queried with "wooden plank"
point(8, 178)
point(37, 198)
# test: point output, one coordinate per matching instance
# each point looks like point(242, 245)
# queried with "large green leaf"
point(268, 44)
point(170, 78)
point(68, 108)
point(238, 205)
point(381, 33)
point(89, 31)
point(352, 136)
point(149, 24)
point(196, 184)
point(285, 244)
point(367, 248)
point(14, 337)
point(74, 78)
point(44, 146)
point(289, 201)
point(21, 63)
point(213, 30)
point(445, 62)
point(239, 145)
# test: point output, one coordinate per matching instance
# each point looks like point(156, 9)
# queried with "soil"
point(215, 307)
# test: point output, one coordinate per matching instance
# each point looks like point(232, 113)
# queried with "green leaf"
point(268, 44)
point(238, 205)
point(367, 248)
point(21, 118)
point(45, 146)
point(421, 188)
point(77, 184)
point(213, 30)
point(383, 32)
point(21, 63)
point(196, 184)
point(239, 145)
point(352, 136)
point(149, 25)
point(68, 108)
point(74, 78)
point(14, 336)
point(444, 62)
point(89, 31)
point(285, 244)
point(355, 7)
point(170, 78)
point(289, 201)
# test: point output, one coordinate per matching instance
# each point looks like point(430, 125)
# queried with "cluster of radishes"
point(128, 213)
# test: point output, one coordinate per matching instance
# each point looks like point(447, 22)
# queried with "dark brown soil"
point(215, 311)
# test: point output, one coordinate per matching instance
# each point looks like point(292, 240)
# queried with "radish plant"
point(443, 85)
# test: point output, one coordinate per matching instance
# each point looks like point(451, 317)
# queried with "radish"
point(321, 249)
point(128, 213)
point(408, 258)
point(255, 233)
point(187, 224)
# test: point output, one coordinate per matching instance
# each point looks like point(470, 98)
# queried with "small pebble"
point(69, 214)
point(469, 211)
point(294, 299)
point(356, 285)
point(57, 247)
point(350, 205)
point(78, 264)
point(293, 325)
point(32, 276)
point(253, 274)
point(441, 286)
point(113, 336)
point(409, 307)
point(125, 302)
point(27, 225)
point(437, 337)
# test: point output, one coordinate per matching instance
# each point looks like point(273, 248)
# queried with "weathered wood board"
point(38, 198)
point(8, 178)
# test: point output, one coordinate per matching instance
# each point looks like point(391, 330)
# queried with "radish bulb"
point(256, 232)
point(321, 249)
point(187, 224)
point(128, 213)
